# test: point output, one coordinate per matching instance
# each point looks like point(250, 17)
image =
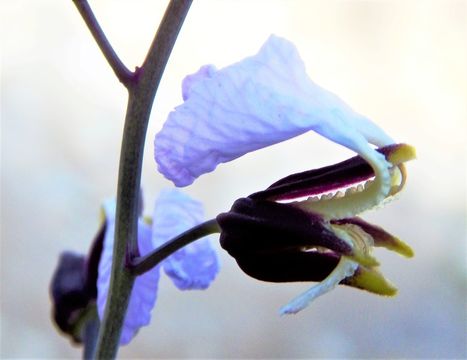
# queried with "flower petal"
point(206, 71)
point(144, 293)
point(344, 269)
point(257, 102)
point(196, 265)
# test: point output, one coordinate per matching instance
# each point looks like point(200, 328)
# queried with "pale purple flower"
point(262, 100)
point(193, 267)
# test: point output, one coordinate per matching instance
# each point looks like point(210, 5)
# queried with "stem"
point(123, 74)
point(141, 97)
point(90, 331)
point(145, 263)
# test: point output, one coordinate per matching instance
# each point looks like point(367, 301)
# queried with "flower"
point(193, 267)
point(305, 240)
point(262, 100)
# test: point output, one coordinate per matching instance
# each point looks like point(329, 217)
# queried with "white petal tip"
point(300, 302)
point(289, 310)
point(344, 268)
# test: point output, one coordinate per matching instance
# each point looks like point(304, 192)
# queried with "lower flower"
point(80, 283)
point(192, 268)
point(305, 227)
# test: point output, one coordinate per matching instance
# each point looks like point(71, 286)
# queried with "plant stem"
point(145, 263)
point(90, 332)
point(141, 97)
point(123, 74)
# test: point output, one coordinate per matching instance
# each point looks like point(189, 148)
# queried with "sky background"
point(401, 63)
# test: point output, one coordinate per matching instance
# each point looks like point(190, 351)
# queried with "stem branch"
point(123, 74)
point(145, 263)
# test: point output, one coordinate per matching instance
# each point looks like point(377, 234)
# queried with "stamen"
point(360, 242)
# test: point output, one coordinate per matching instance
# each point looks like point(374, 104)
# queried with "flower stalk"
point(90, 332)
point(145, 263)
point(142, 90)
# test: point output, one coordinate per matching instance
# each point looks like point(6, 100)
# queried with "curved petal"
point(257, 102)
point(196, 265)
point(144, 293)
point(344, 269)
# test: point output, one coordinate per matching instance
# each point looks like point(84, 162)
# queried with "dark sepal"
point(325, 179)
point(255, 226)
point(288, 266)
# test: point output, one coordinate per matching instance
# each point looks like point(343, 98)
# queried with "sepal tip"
point(371, 280)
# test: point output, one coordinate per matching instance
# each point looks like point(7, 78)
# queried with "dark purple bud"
point(68, 290)
point(73, 288)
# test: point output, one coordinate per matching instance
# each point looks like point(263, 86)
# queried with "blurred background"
point(401, 63)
